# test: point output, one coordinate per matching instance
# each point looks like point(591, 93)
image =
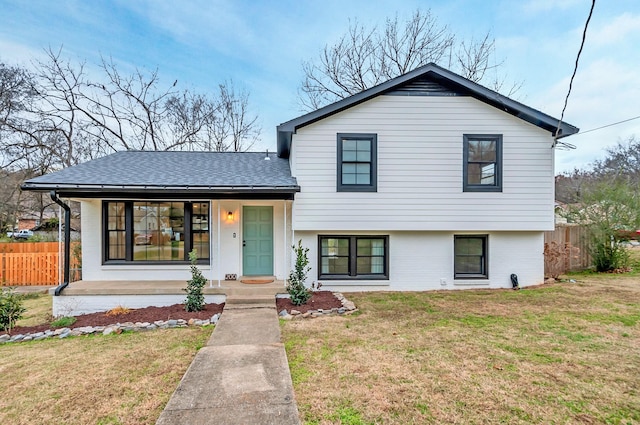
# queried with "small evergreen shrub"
point(195, 297)
point(296, 288)
point(11, 309)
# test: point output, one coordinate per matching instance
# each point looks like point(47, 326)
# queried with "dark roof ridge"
point(286, 130)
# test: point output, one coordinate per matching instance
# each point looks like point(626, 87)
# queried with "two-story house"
point(427, 181)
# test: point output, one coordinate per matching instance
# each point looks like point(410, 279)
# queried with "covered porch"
point(85, 297)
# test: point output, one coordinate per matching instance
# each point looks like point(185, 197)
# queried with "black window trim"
point(485, 246)
point(129, 235)
point(373, 185)
point(353, 246)
point(497, 187)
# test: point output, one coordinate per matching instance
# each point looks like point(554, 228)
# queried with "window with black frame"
point(482, 163)
point(357, 162)
point(155, 231)
point(353, 257)
point(470, 257)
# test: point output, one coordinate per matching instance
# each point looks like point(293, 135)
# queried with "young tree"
point(364, 57)
point(606, 199)
point(607, 208)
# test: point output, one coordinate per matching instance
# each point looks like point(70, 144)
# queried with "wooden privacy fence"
point(34, 263)
point(576, 236)
point(28, 247)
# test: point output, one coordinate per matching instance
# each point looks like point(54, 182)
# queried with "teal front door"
point(257, 243)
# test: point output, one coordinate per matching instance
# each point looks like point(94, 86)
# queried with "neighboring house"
point(31, 220)
point(560, 212)
point(428, 181)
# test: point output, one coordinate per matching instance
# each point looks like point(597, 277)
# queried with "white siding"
point(420, 261)
point(420, 146)
point(225, 260)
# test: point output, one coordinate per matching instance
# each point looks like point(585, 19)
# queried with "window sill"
point(353, 278)
point(354, 282)
point(152, 266)
point(482, 189)
point(472, 282)
point(355, 188)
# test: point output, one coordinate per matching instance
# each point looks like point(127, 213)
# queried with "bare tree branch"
point(363, 58)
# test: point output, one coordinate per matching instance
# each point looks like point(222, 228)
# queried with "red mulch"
point(320, 299)
point(147, 314)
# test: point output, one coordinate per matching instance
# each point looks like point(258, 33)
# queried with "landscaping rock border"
point(348, 307)
point(116, 328)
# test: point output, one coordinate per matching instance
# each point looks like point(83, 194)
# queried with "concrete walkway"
point(240, 377)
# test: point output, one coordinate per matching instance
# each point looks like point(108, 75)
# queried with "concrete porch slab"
point(169, 287)
point(84, 297)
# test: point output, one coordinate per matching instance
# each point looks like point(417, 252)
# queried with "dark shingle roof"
point(140, 171)
point(436, 74)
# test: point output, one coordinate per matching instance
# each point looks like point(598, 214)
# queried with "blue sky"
point(261, 45)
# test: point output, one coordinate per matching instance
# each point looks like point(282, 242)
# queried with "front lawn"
point(561, 353)
point(113, 379)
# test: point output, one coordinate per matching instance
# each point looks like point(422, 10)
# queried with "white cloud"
point(620, 29)
point(19, 53)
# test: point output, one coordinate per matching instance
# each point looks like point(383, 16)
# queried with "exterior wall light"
point(230, 216)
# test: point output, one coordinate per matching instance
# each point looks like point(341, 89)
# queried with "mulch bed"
point(319, 300)
point(147, 314)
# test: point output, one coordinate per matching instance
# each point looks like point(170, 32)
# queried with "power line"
point(575, 70)
point(607, 125)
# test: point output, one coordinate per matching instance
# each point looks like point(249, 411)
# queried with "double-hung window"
point(482, 163)
point(470, 257)
point(353, 257)
point(357, 162)
point(155, 231)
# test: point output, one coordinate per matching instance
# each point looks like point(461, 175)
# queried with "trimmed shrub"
point(296, 288)
point(11, 309)
point(195, 297)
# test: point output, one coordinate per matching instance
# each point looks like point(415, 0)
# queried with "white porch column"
point(219, 246)
point(284, 241)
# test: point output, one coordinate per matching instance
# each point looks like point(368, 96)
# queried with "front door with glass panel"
point(257, 243)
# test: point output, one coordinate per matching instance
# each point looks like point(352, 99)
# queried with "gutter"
point(67, 241)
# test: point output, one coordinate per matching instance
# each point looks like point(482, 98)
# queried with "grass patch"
point(347, 415)
point(114, 379)
point(63, 322)
point(560, 353)
point(38, 307)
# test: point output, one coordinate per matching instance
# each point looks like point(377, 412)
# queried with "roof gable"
point(428, 80)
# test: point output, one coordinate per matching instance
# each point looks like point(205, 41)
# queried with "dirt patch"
point(147, 314)
point(319, 300)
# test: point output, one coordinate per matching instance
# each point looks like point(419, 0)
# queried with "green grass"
point(561, 353)
point(63, 322)
point(38, 310)
point(114, 379)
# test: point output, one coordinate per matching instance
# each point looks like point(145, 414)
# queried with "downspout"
point(67, 240)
